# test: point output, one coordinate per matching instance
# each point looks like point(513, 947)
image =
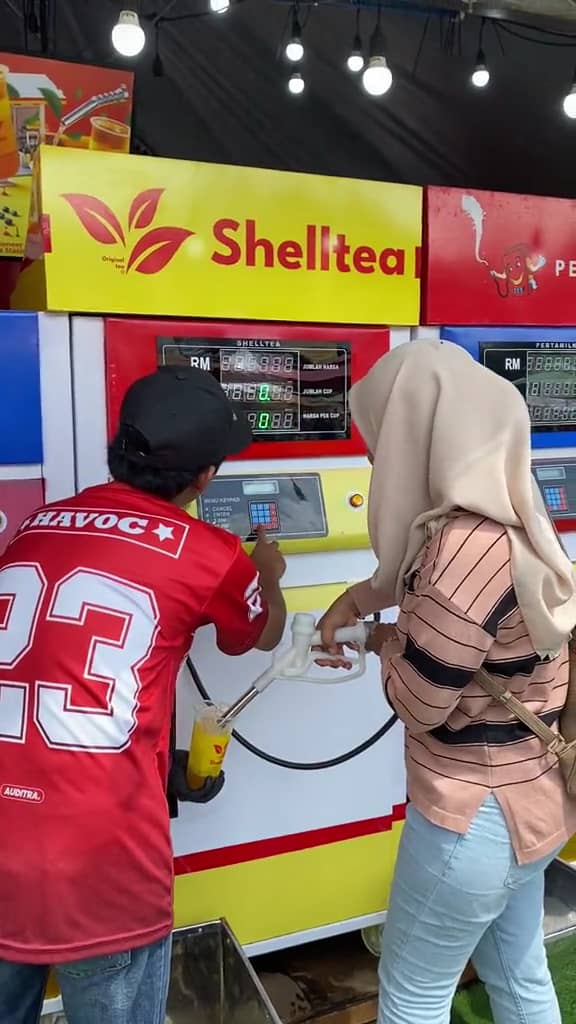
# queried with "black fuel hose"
point(299, 766)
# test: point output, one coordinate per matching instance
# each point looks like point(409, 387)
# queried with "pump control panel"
point(304, 511)
point(290, 506)
point(557, 483)
point(291, 381)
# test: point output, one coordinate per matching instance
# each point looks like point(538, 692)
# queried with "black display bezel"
point(206, 347)
point(523, 349)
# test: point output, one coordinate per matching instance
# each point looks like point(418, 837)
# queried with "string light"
point(377, 77)
point(129, 40)
point(296, 84)
point(569, 102)
point(295, 47)
point(481, 75)
point(355, 60)
point(128, 37)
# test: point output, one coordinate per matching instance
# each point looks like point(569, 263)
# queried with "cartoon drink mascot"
point(521, 264)
point(520, 267)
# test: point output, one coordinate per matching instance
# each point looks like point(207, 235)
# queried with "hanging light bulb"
point(295, 47)
point(219, 6)
point(128, 37)
point(481, 75)
point(377, 77)
point(570, 101)
point(355, 59)
point(296, 84)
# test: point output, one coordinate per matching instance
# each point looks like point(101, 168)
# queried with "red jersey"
point(99, 598)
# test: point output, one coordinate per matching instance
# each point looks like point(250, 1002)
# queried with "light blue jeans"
point(124, 988)
point(456, 898)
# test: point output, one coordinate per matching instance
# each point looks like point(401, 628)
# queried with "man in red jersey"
point(100, 596)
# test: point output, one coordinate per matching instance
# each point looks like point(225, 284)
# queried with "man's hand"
point(268, 559)
point(271, 567)
point(208, 792)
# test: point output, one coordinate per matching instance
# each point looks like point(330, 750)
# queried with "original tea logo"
point(146, 253)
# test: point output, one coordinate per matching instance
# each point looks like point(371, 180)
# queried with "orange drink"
point(208, 746)
point(109, 136)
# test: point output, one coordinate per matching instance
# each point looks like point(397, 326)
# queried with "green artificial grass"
point(471, 1005)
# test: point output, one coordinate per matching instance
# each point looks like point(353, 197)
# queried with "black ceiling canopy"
point(214, 87)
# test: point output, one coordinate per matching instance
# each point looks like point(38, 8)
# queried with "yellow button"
point(356, 500)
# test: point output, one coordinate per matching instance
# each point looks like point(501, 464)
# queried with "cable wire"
point(300, 766)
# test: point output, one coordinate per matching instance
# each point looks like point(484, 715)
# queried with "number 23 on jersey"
point(28, 602)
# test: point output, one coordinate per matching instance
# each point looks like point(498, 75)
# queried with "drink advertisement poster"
point(54, 103)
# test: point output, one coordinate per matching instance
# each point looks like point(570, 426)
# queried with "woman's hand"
point(379, 635)
point(343, 612)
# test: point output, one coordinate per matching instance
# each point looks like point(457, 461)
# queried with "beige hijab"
point(445, 434)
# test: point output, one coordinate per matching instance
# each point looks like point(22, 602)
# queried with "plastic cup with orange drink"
point(109, 136)
point(208, 745)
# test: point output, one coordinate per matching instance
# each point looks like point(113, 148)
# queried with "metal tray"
point(212, 981)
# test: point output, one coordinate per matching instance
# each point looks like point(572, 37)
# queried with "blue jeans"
point(124, 988)
point(457, 898)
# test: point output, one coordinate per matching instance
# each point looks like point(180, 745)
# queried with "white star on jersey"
point(164, 532)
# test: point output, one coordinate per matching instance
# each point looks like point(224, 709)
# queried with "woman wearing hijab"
point(466, 549)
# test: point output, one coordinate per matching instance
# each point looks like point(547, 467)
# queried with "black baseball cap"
point(179, 418)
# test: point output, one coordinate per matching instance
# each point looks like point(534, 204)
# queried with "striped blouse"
point(460, 612)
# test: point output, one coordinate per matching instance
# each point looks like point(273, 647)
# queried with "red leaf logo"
point(156, 248)
point(143, 209)
point(97, 218)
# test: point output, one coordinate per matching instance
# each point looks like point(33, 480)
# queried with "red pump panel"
point(291, 380)
point(18, 499)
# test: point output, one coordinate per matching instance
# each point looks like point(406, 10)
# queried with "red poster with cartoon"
point(51, 102)
point(498, 258)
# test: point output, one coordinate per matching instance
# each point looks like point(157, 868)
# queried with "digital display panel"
point(544, 373)
point(551, 473)
point(288, 391)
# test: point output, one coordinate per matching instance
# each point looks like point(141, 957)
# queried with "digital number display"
point(551, 473)
point(288, 391)
point(544, 373)
point(258, 486)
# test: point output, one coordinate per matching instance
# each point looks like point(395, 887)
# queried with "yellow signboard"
point(126, 234)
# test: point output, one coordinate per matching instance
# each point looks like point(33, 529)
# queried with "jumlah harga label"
point(185, 239)
point(23, 793)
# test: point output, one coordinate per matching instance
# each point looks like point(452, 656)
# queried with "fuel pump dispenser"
point(314, 773)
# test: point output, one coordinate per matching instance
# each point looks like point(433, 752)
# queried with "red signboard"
point(132, 351)
point(52, 102)
point(497, 258)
